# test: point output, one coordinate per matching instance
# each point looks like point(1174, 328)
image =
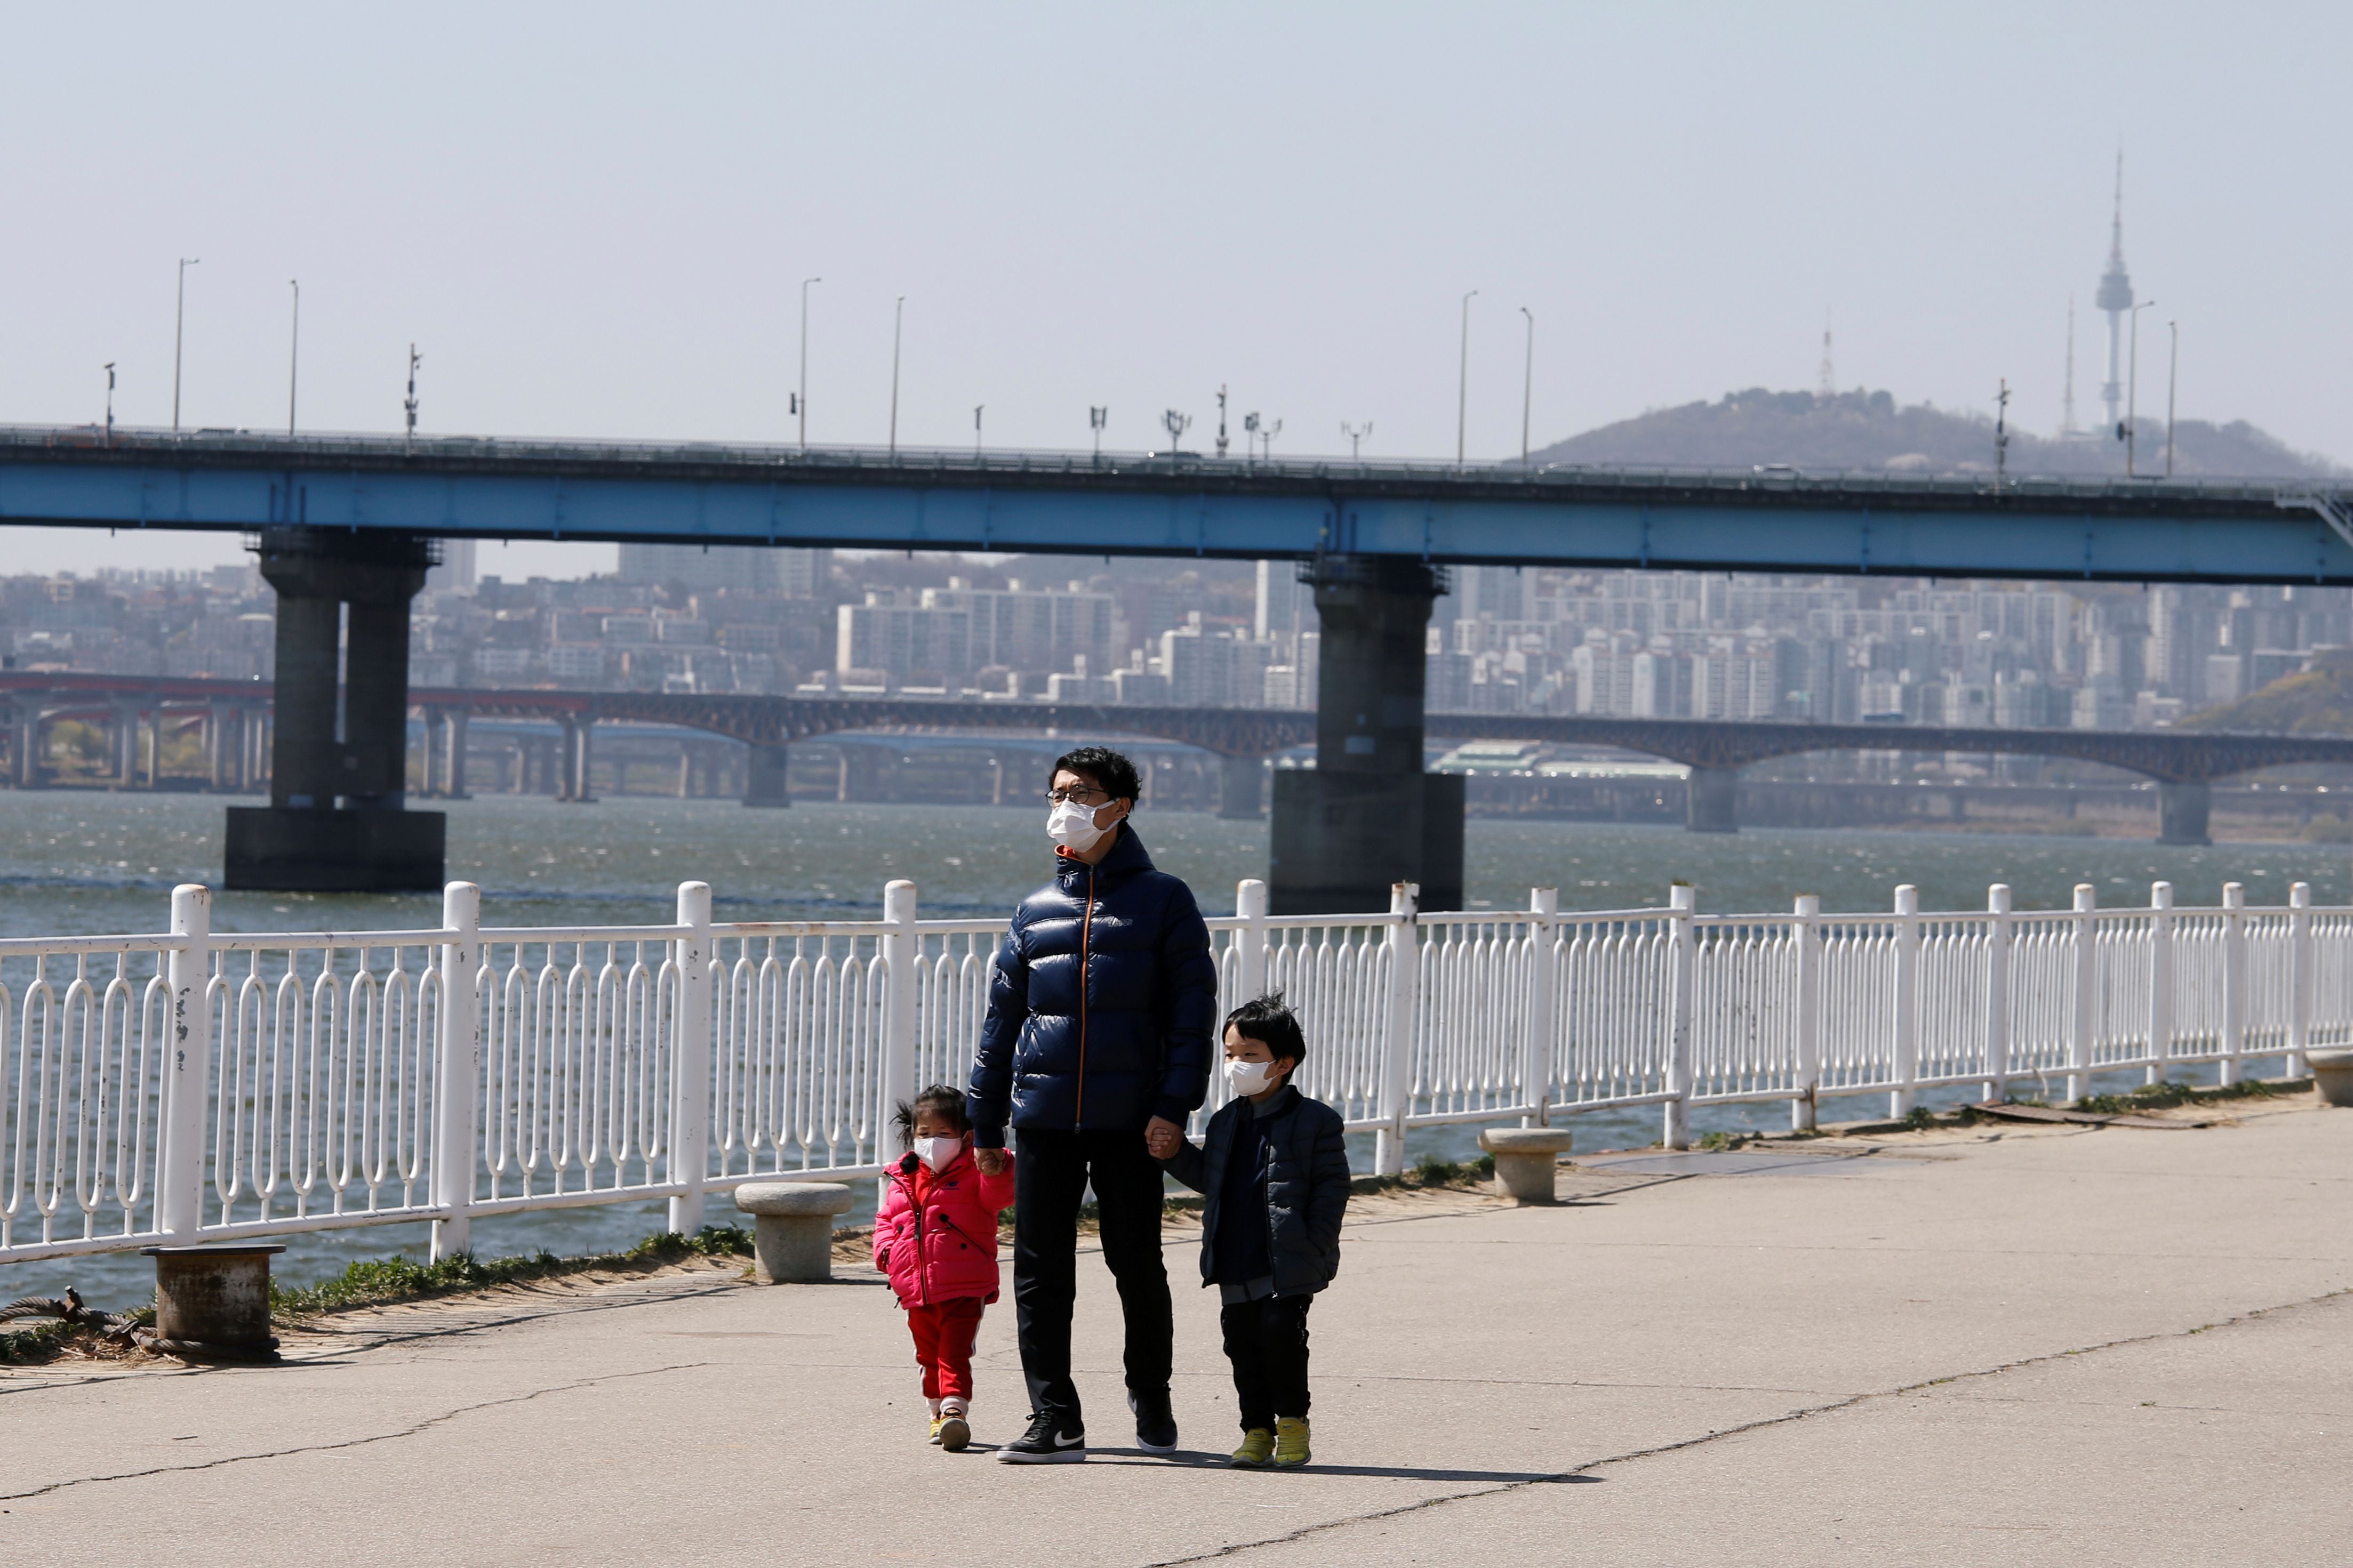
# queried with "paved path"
point(2045, 1346)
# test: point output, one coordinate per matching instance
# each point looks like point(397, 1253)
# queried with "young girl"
point(936, 1239)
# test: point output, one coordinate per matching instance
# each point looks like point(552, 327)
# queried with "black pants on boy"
point(1266, 1342)
point(1051, 1173)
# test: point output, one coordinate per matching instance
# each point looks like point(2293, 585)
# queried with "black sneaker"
point(1156, 1424)
point(1045, 1444)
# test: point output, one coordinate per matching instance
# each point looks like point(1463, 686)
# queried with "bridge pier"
point(1242, 788)
point(1712, 800)
point(764, 775)
point(337, 818)
point(1367, 815)
point(2181, 810)
point(573, 755)
point(23, 735)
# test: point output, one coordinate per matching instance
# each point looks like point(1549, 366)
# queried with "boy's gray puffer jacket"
point(1306, 1187)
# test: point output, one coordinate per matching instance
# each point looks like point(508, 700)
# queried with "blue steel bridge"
point(1775, 519)
point(344, 526)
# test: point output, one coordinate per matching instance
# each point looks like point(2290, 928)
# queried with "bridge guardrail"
point(188, 1085)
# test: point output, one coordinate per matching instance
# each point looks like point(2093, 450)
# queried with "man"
point(1096, 1045)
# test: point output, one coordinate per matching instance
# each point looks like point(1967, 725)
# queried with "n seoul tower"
point(2116, 298)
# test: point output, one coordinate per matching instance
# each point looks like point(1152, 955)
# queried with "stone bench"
point(791, 1229)
point(1525, 1157)
point(2332, 1075)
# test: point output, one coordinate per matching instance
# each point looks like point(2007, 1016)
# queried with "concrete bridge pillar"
point(24, 732)
point(453, 777)
point(764, 775)
point(2182, 808)
point(1242, 788)
point(337, 818)
point(574, 754)
point(1712, 800)
point(1367, 817)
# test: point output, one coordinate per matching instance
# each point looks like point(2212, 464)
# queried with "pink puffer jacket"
point(936, 1234)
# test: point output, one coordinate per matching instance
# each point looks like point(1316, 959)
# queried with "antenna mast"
point(2067, 401)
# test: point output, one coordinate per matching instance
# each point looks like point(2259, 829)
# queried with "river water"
point(75, 863)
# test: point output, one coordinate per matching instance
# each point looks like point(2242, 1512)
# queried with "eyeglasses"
point(1079, 795)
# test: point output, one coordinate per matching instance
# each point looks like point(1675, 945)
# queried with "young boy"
point(1274, 1170)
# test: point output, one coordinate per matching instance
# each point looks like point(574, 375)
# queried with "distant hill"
point(2315, 702)
point(1867, 430)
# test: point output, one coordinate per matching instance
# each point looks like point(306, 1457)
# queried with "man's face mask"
point(1072, 825)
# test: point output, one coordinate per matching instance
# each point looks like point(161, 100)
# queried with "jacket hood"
point(1126, 857)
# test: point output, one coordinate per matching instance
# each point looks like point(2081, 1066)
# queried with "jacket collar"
point(1267, 1111)
point(1127, 857)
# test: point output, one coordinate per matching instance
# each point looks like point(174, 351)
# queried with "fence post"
point(1404, 942)
point(901, 954)
point(1543, 1025)
point(2300, 977)
point(1250, 969)
point(2079, 1019)
point(187, 1081)
point(2160, 979)
point(1996, 1002)
point(1682, 977)
point(456, 1069)
point(1907, 1003)
point(1804, 1110)
point(2234, 983)
point(689, 1068)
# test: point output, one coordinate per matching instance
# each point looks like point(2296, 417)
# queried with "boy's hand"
point(1161, 1137)
point(992, 1161)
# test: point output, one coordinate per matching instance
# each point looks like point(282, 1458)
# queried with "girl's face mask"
point(937, 1153)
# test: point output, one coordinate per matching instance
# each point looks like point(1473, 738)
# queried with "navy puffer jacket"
point(1304, 1177)
point(1104, 1001)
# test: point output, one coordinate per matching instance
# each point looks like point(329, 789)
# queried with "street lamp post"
point(1462, 383)
point(1097, 417)
point(800, 398)
point(1528, 385)
point(110, 403)
point(179, 320)
point(2132, 393)
point(408, 406)
point(293, 352)
point(975, 428)
point(1356, 434)
point(898, 319)
point(2172, 387)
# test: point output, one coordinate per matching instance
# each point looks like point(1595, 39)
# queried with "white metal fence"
point(191, 1086)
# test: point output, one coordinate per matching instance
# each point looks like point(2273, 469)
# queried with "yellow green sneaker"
point(1258, 1447)
point(937, 1422)
point(1291, 1441)
point(954, 1432)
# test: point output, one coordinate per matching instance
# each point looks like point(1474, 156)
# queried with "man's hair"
point(943, 1100)
point(1112, 772)
point(1266, 1019)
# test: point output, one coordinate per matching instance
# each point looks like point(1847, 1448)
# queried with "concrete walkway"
point(2032, 1346)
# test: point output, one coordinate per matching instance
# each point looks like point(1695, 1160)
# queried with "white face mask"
point(1249, 1078)
point(1072, 825)
point(937, 1153)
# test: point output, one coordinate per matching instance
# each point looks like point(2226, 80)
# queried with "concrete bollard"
point(211, 1303)
point(791, 1229)
point(1525, 1157)
point(2332, 1075)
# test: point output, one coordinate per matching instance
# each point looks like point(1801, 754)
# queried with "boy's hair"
point(1113, 773)
point(943, 1100)
point(1267, 1018)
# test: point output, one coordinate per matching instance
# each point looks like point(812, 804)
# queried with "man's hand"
point(1161, 1137)
point(992, 1161)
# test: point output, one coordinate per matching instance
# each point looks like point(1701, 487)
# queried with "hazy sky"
point(593, 220)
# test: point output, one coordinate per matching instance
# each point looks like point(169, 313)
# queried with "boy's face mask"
point(937, 1153)
point(1249, 1078)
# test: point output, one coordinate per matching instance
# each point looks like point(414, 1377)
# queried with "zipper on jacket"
point(1086, 939)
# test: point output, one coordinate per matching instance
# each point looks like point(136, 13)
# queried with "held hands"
point(992, 1161)
point(1161, 1137)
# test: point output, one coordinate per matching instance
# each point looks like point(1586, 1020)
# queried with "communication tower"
point(2115, 299)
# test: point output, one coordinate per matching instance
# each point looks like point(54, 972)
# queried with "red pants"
point(943, 1334)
